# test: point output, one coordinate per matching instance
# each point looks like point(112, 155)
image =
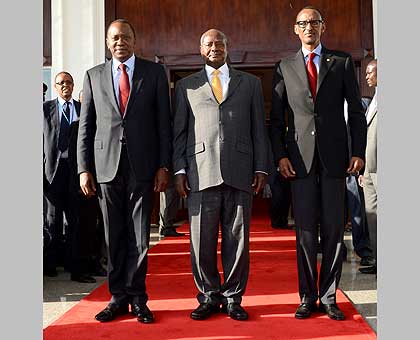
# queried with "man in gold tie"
point(220, 160)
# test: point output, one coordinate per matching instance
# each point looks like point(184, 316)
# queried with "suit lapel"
point(370, 118)
point(235, 79)
point(55, 121)
point(201, 79)
point(298, 64)
point(325, 64)
point(77, 108)
point(138, 79)
point(108, 83)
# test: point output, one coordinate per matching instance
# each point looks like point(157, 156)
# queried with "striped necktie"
point(63, 137)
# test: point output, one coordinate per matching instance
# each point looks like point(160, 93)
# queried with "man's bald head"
point(309, 7)
point(373, 62)
point(214, 32)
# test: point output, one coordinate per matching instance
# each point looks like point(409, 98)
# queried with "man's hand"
point(161, 180)
point(286, 168)
point(360, 180)
point(87, 184)
point(181, 185)
point(259, 182)
point(356, 164)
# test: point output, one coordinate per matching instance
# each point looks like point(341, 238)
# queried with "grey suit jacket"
point(371, 151)
point(145, 124)
point(320, 122)
point(51, 132)
point(222, 143)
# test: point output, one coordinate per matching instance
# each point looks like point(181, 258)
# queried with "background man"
point(220, 141)
point(312, 86)
point(125, 140)
point(59, 114)
point(369, 179)
point(168, 208)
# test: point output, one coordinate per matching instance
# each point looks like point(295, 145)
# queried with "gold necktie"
point(217, 86)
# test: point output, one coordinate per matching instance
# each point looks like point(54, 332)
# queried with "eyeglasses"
point(314, 23)
point(64, 83)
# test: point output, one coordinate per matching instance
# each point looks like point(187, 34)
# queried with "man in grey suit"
point(369, 179)
point(220, 159)
point(311, 87)
point(125, 140)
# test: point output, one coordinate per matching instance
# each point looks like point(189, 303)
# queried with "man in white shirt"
point(59, 114)
point(369, 179)
point(310, 148)
point(220, 160)
point(125, 140)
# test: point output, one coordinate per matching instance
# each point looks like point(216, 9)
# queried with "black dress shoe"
point(82, 278)
point(235, 311)
point(332, 311)
point(368, 270)
point(111, 312)
point(170, 232)
point(142, 312)
point(305, 310)
point(99, 271)
point(367, 261)
point(204, 311)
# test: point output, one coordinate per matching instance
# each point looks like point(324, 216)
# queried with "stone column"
point(78, 38)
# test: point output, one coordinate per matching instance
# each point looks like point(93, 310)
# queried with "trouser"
point(318, 197)
point(371, 200)
point(126, 207)
point(232, 209)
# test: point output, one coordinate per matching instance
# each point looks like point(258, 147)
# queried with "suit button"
point(313, 133)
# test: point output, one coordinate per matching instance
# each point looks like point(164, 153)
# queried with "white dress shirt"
point(116, 74)
point(73, 115)
point(317, 58)
point(223, 76)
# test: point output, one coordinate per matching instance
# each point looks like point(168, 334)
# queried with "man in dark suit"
point(125, 140)
point(311, 87)
point(369, 180)
point(220, 159)
point(59, 115)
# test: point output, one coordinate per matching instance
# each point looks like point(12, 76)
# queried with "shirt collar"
point(224, 70)
point(317, 50)
point(61, 101)
point(129, 63)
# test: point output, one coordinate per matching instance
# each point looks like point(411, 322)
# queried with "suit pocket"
point(195, 149)
point(98, 144)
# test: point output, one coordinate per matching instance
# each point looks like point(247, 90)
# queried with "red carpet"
point(271, 299)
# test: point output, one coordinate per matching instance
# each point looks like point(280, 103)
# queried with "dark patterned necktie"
point(63, 138)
